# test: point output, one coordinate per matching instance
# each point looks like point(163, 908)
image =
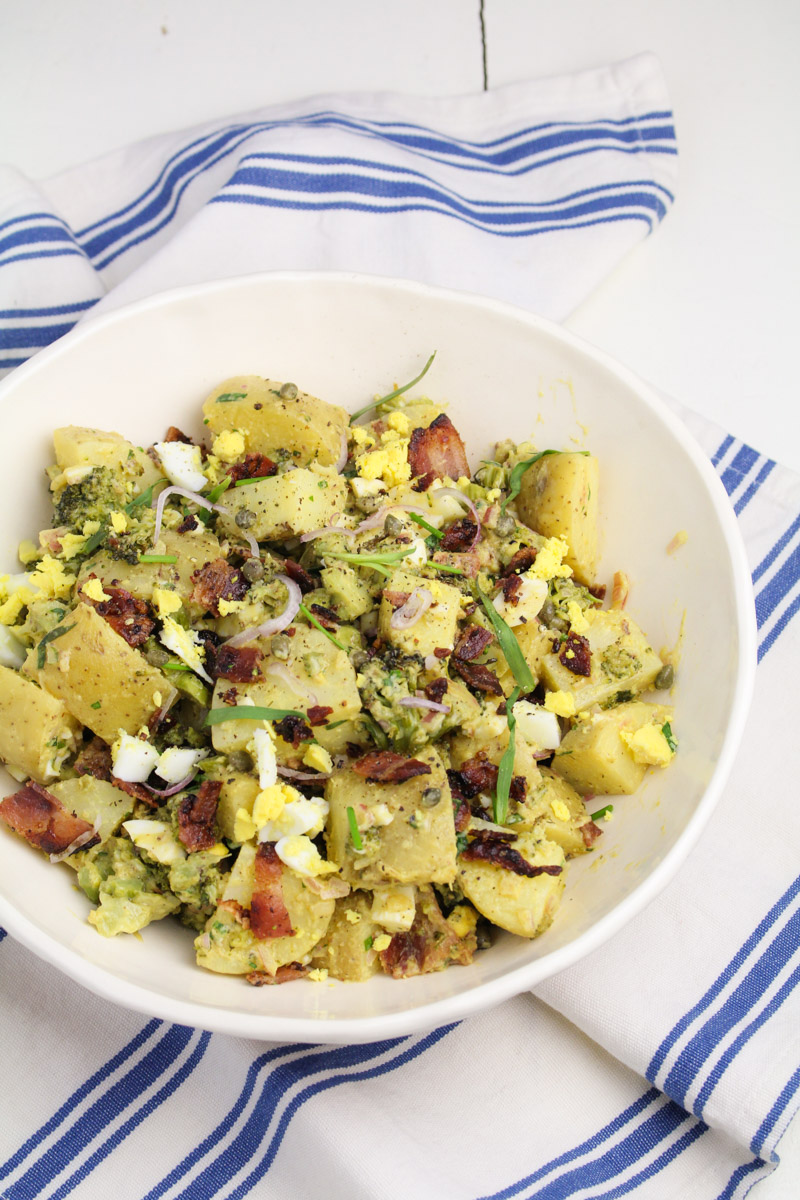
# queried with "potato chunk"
point(36, 730)
point(558, 498)
point(622, 661)
point(345, 951)
point(535, 641)
point(95, 800)
point(404, 840)
point(192, 551)
point(556, 812)
point(436, 627)
point(284, 505)
point(272, 419)
point(104, 682)
point(594, 758)
point(79, 446)
point(515, 902)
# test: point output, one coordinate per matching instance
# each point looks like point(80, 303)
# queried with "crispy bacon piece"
point(42, 820)
point(473, 641)
point(598, 590)
point(478, 676)
point(436, 689)
point(435, 452)
point(430, 944)
point(238, 663)
point(576, 654)
point(284, 974)
point(188, 524)
point(268, 915)
point(300, 575)
point(524, 558)
point(240, 914)
point(478, 774)
point(293, 730)
point(467, 561)
point(396, 599)
point(174, 434)
point(384, 766)
point(326, 617)
point(461, 814)
point(487, 845)
point(318, 715)
point(216, 581)
point(511, 586)
point(95, 759)
point(441, 652)
point(137, 790)
point(126, 615)
point(252, 466)
point(590, 833)
point(197, 816)
point(459, 536)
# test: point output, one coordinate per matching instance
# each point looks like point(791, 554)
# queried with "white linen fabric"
point(667, 1063)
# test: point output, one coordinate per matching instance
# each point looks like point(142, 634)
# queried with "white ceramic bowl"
point(504, 373)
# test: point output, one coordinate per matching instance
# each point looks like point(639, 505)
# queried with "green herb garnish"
point(41, 653)
point(355, 836)
point(393, 395)
point(376, 561)
point(312, 620)
point(448, 570)
point(226, 397)
point(176, 666)
point(254, 479)
point(144, 498)
point(158, 558)
point(418, 520)
point(97, 538)
point(461, 842)
point(601, 812)
point(96, 704)
point(506, 768)
point(515, 478)
point(368, 942)
point(666, 729)
point(376, 733)
point(249, 712)
point(508, 644)
point(218, 488)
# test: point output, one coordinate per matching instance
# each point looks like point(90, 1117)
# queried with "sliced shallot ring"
point(176, 787)
point(421, 702)
point(344, 454)
point(457, 495)
point(275, 624)
point(303, 776)
point(79, 841)
point(316, 533)
point(179, 491)
point(409, 613)
point(279, 671)
point(379, 517)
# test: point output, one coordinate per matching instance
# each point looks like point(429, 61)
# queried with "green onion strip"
point(506, 769)
point(249, 712)
point(508, 644)
point(393, 395)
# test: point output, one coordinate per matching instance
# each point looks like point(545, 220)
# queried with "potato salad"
point(314, 686)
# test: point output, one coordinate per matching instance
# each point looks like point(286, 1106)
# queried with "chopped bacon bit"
point(479, 774)
point(461, 814)
point(576, 654)
point(620, 589)
point(284, 974)
point(300, 575)
point(127, 615)
point(268, 914)
point(598, 590)
point(430, 944)
point(239, 663)
point(42, 820)
point(230, 696)
point(137, 790)
point(441, 652)
point(94, 759)
point(436, 689)
point(293, 730)
point(396, 599)
point(511, 586)
point(188, 524)
point(524, 558)
point(174, 434)
point(384, 766)
point(590, 833)
point(473, 641)
point(487, 845)
point(435, 452)
point(239, 913)
point(197, 816)
point(478, 676)
point(326, 617)
point(318, 715)
point(216, 581)
point(459, 536)
point(467, 561)
point(252, 466)
point(457, 783)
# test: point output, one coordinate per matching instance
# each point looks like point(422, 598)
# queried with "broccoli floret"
point(91, 499)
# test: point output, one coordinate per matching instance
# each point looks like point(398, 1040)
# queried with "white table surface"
point(705, 309)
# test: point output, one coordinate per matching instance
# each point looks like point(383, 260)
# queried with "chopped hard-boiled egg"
point(526, 604)
point(302, 815)
point(177, 763)
point(560, 703)
point(12, 652)
point(648, 746)
point(388, 462)
point(419, 555)
point(270, 802)
point(537, 725)
point(229, 445)
point(577, 621)
point(119, 522)
point(302, 856)
point(362, 488)
point(132, 759)
point(52, 578)
point(184, 642)
point(93, 588)
point(318, 759)
point(166, 601)
point(266, 761)
point(394, 908)
point(549, 562)
point(156, 839)
point(463, 920)
point(183, 464)
point(382, 942)
point(560, 810)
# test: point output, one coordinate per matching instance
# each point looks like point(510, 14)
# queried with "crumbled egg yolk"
point(381, 942)
point(549, 562)
point(301, 855)
point(229, 445)
point(27, 552)
point(226, 607)
point(388, 462)
point(352, 916)
point(269, 803)
point(244, 827)
point(184, 643)
point(399, 422)
point(52, 579)
point(119, 522)
point(577, 620)
point(560, 810)
point(560, 703)
point(648, 746)
point(318, 974)
point(93, 589)
point(318, 759)
point(166, 601)
point(462, 920)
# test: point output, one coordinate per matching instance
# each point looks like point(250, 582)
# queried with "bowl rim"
point(270, 1027)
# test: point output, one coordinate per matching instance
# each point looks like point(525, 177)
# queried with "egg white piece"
point(537, 726)
point(300, 853)
point(177, 762)
point(133, 759)
point(12, 652)
point(266, 760)
point(185, 644)
point(182, 464)
point(299, 816)
point(419, 556)
point(530, 598)
point(155, 838)
point(394, 908)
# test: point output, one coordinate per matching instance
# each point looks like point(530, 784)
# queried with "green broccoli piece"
point(91, 499)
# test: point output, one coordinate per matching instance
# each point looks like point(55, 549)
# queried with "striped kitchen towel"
point(665, 1065)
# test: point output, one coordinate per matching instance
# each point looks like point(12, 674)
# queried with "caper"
point(253, 570)
point(370, 504)
point(431, 797)
point(560, 625)
point(156, 656)
point(665, 677)
point(289, 391)
point(547, 612)
point(280, 646)
point(240, 760)
point(359, 659)
point(393, 526)
point(505, 524)
point(244, 518)
point(483, 937)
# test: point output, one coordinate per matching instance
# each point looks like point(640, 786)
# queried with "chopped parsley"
point(666, 729)
point(227, 397)
point(41, 650)
point(355, 836)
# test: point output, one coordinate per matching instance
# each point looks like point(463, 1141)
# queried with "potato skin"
point(310, 429)
point(558, 498)
point(30, 720)
point(514, 902)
